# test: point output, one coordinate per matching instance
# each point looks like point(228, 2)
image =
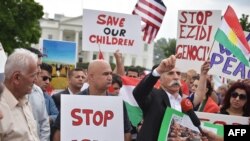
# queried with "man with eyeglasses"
point(76, 77)
point(43, 81)
point(37, 102)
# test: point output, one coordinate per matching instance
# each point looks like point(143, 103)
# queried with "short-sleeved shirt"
point(18, 122)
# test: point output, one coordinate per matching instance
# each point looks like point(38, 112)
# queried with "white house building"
point(70, 29)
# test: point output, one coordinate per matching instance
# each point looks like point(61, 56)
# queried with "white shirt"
point(71, 93)
point(175, 102)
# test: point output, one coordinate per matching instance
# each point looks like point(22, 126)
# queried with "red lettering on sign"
point(110, 20)
point(89, 117)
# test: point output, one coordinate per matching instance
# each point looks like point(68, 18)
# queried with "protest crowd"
point(24, 97)
point(31, 111)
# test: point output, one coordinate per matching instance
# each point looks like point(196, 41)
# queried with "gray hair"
point(19, 60)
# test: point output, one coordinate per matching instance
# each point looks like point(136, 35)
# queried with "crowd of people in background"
point(24, 97)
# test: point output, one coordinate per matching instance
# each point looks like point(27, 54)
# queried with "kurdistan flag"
point(134, 111)
point(231, 36)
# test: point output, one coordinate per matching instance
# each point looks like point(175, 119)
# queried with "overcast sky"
point(73, 8)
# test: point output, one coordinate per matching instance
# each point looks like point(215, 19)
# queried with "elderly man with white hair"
point(20, 74)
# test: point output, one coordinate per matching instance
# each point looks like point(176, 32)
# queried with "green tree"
point(244, 22)
point(158, 50)
point(168, 46)
point(19, 23)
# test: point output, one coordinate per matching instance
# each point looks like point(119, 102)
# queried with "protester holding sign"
point(211, 136)
point(207, 104)
point(99, 79)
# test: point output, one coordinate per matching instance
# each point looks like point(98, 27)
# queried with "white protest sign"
point(3, 59)
point(195, 34)
point(222, 119)
point(85, 117)
point(111, 31)
point(223, 63)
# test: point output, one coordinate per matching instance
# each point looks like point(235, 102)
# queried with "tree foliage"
point(168, 46)
point(244, 22)
point(158, 50)
point(19, 23)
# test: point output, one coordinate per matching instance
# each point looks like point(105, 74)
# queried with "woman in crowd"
point(207, 104)
point(237, 100)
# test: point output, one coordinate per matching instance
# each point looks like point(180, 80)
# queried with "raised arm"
point(119, 68)
point(143, 89)
point(202, 87)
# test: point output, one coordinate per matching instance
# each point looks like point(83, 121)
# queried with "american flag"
point(152, 13)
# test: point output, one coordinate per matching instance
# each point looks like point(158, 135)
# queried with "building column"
point(77, 40)
point(89, 56)
point(61, 34)
point(76, 37)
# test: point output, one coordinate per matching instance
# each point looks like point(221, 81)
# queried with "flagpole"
point(99, 47)
point(210, 50)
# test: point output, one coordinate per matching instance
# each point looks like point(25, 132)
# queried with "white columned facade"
point(61, 34)
point(76, 37)
point(77, 40)
point(69, 29)
point(90, 56)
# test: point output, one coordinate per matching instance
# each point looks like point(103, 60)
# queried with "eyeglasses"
point(45, 78)
point(241, 96)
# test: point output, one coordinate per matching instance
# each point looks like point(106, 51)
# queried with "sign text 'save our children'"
point(111, 31)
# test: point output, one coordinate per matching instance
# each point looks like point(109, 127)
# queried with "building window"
point(80, 60)
point(111, 59)
point(50, 36)
point(145, 47)
point(133, 61)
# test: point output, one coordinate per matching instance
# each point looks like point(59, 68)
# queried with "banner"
point(3, 59)
point(178, 126)
point(61, 55)
point(224, 63)
point(222, 119)
point(111, 31)
point(91, 118)
point(195, 35)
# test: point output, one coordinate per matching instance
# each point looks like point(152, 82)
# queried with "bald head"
point(95, 65)
point(99, 77)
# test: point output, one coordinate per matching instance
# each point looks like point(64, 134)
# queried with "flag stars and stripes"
point(152, 13)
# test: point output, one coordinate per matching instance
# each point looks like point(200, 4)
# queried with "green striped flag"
point(134, 111)
point(231, 36)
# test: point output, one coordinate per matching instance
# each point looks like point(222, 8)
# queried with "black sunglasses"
point(45, 78)
point(241, 96)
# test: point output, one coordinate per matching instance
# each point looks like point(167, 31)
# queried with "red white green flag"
point(126, 92)
point(230, 34)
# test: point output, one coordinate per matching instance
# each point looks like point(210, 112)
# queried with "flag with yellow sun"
point(231, 36)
